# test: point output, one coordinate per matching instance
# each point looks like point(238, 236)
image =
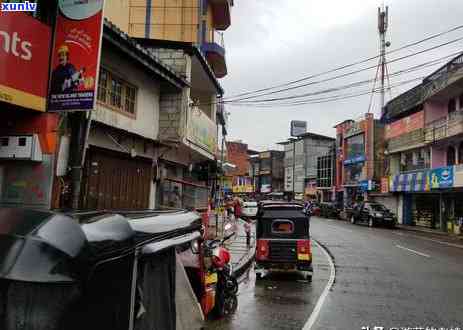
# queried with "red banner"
point(24, 55)
point(76, 52)
point(405, 125)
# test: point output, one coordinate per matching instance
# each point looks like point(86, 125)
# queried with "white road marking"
point(313, 317)
point(413, 251)
point(432, 240)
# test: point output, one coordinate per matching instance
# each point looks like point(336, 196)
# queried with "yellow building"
point(191, 21)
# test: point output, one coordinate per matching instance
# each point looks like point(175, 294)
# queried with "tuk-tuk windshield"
point(284, 223)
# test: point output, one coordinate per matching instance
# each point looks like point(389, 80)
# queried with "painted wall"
point(174, 20)
point(434, 110)
point(146, 123)
point(117, 12)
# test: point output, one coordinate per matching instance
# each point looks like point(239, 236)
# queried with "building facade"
point(424, 134)
point(267, 171)
point(359, 159)
point(301, 160)
point(238, 155)
point(185, 36)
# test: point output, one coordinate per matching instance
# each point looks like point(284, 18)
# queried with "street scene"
point(228, 164)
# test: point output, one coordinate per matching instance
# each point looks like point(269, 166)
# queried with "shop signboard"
point(76, 55)
point(441, 177)
point(202, 131)
point(417, 181)
point(384, 185)
point(355, 160)
point(367, 185)
point(265, 188)
point(24, 59)
point(404, 125)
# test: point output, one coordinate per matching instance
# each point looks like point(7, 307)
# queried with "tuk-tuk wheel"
point(308, 277)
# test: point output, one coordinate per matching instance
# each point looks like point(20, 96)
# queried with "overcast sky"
point(272, 42)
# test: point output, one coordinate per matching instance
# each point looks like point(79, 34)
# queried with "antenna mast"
point(383, 23)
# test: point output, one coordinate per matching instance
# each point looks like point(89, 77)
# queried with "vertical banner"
point(75, 55)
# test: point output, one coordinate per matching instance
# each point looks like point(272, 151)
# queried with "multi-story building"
point(424, 134)
point(326, 174)
point(185, 36)
point(238, 155)
point(301, 159)
point(359, 159)
point(267, 171)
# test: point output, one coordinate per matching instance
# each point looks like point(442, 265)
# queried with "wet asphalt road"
point(384, 278)
point(278, 301)
point(380, 282)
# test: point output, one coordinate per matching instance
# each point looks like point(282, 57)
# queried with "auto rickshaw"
point(283, 239)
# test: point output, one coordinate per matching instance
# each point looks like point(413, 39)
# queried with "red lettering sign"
point(24, 54)
point(405, 125)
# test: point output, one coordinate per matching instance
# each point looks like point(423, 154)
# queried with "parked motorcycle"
point(220, 283)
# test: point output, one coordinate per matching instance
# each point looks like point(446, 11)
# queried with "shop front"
point(430, 198)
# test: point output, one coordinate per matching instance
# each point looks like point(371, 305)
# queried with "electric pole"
point(383, 22)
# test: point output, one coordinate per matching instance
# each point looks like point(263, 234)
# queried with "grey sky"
point(273, 41)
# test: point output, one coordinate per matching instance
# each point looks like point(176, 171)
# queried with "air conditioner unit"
point(20, 147)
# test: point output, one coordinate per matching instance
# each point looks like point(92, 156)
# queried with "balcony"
point(221, 13)
point(444, 128)
point(411, 140)
point(215, 55)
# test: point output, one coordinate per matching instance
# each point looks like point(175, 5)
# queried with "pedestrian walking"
point(247, 230)
point(237, 203)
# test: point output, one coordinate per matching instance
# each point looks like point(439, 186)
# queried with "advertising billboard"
point(75, 57)
point(298, 127)
point(202, 131)
point(404, 125)
point(24, 52)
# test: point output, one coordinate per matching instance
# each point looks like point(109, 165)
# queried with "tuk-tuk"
point(95, 270)
point(283, 239)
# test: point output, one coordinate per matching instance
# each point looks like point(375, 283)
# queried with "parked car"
point(329, 210)
point(373, 214)
point(249, 210)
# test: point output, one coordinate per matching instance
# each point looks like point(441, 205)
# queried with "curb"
point(430, 232)
point(245, 261)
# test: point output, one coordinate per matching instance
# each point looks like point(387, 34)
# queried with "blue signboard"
point(441, 177)
point(355, 160)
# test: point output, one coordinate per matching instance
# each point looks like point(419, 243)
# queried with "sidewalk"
point(241, 256)
point(432, 233)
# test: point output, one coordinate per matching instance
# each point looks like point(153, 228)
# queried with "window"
point(282, 227)
point(130, 94)
point(116, 93)
point(103, 85)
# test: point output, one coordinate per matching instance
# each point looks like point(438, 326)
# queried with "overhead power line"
point(412, 44)
point(325, 99)
point(414, 68)
point(345, 74)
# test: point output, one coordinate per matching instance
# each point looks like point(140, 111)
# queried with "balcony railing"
point(406, 141)
point(445, 128)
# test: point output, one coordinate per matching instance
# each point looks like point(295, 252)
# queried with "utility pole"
point(383, 22)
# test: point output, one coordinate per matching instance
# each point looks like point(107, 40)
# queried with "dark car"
point(282, 239)
point(373, 214)
point(329, 210)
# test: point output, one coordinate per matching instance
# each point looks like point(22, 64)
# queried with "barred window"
point(116, 93)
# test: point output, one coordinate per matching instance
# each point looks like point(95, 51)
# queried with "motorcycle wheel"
point(230, 305)
point(232, 285)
